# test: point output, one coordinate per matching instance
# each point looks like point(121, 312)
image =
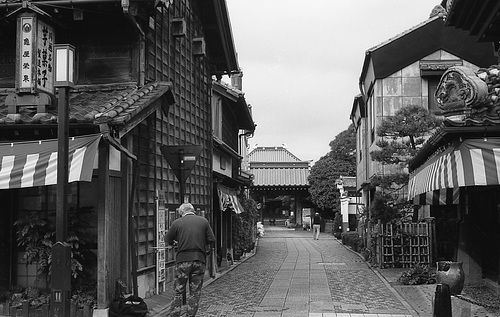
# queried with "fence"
point(28, 311)
point(405, 245)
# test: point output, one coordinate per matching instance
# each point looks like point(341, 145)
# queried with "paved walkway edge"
point(384, 280)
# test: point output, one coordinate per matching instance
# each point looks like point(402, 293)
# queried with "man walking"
point(192, 234)
point(316, 226)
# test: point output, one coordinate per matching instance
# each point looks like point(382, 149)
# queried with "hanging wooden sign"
point(35, 60)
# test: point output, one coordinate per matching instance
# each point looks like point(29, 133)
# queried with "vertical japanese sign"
point(161, 230)
point(35, 44)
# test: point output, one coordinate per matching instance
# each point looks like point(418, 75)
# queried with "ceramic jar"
point(451, 273)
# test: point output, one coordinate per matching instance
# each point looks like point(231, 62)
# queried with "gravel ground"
point(482, 296)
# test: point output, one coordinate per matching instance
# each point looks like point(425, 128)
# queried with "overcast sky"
point(301, 62)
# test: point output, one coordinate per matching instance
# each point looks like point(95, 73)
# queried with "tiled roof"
point(276, 166)
point(114, 105)
point(242, 109)
point(280, 176)
point(349, 181)
point(272, 154)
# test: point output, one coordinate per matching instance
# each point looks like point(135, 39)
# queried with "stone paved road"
point(293, 275)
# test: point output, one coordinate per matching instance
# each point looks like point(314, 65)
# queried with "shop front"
point(455, 177)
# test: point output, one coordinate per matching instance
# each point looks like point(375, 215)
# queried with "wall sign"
point(35, 47)
point(161, 230)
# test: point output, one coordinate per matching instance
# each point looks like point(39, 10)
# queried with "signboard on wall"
point(35, 47)
point(161, 270)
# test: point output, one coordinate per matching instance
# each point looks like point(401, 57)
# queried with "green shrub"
point(417, 275)
point(352, 240)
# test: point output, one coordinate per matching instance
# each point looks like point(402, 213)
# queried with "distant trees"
point(340, 161)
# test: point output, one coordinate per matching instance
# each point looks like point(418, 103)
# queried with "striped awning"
point(228, 199)
point(446, 196)
point(34, 163)
point(472, 162)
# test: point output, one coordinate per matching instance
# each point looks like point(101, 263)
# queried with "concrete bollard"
point(442, 301)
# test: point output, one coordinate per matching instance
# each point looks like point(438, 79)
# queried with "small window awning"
point(34, 163)
point(228, 199)
point(471, 162)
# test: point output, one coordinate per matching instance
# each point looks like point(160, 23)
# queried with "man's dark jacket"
point(193, 233)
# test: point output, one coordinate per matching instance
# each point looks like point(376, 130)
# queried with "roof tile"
point(276, 166)
point(92, 104)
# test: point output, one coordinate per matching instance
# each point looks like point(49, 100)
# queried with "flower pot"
point(452, 274)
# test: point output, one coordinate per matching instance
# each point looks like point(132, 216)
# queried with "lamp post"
point(61, 251)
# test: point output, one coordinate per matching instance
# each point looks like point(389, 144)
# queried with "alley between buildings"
point(293, 275)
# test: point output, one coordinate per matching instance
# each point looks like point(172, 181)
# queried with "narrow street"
point(293, 275)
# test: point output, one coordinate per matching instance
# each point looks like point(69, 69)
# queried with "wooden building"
point(405, 70)
point(232, 125)
point(143, 80)
point(280, 183)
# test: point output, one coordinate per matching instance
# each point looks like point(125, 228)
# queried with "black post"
point(62, 164)
point(442, 301)
point(61, 251)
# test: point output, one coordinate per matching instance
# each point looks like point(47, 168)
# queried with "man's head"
point(185, 208)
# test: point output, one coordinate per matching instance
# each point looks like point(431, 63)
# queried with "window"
point(432, 83)
point(373, 114)
point(217, 116)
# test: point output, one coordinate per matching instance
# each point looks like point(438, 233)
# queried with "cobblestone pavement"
point(293, 275)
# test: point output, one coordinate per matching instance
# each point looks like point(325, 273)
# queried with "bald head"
point(185, 208)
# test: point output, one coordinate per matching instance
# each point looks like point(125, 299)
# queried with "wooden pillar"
point(127, 169)
point(103, 283)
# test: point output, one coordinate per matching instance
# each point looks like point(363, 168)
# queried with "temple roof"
point(276, 166)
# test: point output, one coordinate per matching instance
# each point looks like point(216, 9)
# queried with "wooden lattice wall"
point(405, 245)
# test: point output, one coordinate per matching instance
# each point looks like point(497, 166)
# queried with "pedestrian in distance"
point(316, 223)
point(192, 234)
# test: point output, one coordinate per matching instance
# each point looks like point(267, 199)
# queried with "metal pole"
point(182, 178)
point(62, 165)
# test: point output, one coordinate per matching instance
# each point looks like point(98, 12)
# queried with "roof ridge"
point(413, 28)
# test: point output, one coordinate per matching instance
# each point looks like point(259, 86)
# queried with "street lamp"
point(61, 251)
point(64, 70)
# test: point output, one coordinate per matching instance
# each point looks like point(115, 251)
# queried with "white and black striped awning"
point(472, 162)
point(34, 163)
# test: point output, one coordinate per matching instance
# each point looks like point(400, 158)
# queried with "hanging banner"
point(228, 199)
point(34, 163)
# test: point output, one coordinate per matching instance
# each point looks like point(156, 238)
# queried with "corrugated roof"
point(114, 105)
point(276, 166)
